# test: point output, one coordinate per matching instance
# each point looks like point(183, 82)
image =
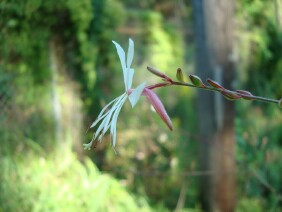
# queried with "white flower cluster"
point(108, 118)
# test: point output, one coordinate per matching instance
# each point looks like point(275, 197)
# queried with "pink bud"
point(230, 95)
point(159, 74)
point(158, 106)
point(215, 84)
point(245, 94)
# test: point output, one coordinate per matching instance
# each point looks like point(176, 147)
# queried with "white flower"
point(108, 118)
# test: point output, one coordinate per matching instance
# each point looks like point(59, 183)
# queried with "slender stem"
point(159, 85)
point(257, 98)
point(232, 95)
point(263, 99)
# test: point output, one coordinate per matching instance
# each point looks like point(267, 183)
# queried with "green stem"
point(209, 88)
point(257, 98)
point(234, 95)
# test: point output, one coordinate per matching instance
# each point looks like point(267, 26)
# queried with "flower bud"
point(245, 94)
point(230, 95)
point(197, 81)
point(179, 75)
point(159, 74)
point(215, 84)
point(158, 106)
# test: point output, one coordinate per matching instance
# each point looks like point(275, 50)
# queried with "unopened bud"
point(158, 106)
point(179, 75)
point(197, 81)
point(158, 73)
point(230, 95)
point(215, 84)
point(245, 94)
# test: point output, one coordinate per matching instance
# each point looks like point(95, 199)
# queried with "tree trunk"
point(66, 101)
point(213, 37)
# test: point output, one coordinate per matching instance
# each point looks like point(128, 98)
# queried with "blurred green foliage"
point(37, 182)
point(262, 35)
point(38, 173)
point(259, 134)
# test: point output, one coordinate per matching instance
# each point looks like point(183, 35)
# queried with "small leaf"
point(230, 95)
point(245, 94)
point(215, 84)
point(179, 75)
point(197, 81)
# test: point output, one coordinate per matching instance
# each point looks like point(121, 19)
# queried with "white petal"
point(130, 73)
point(87, 146)
point(136, 93)
point(116, 113)
point(108, 118)
point(109, 114)
point(114, 136)
point(99, 119)
point(121, 55)
point(114, 121)
point(130, 53)
point(100, 138)
point(101, 114)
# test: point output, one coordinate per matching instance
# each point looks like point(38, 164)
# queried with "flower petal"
point(107, 122)
point(130, 73)
point(114, 120)
point(101, 114)
point(121, 55)
point(158, 106)
point(87, 146)
point(136, 93)
point(109, 115)
point(130, 53)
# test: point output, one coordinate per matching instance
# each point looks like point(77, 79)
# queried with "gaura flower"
point(109, 119)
